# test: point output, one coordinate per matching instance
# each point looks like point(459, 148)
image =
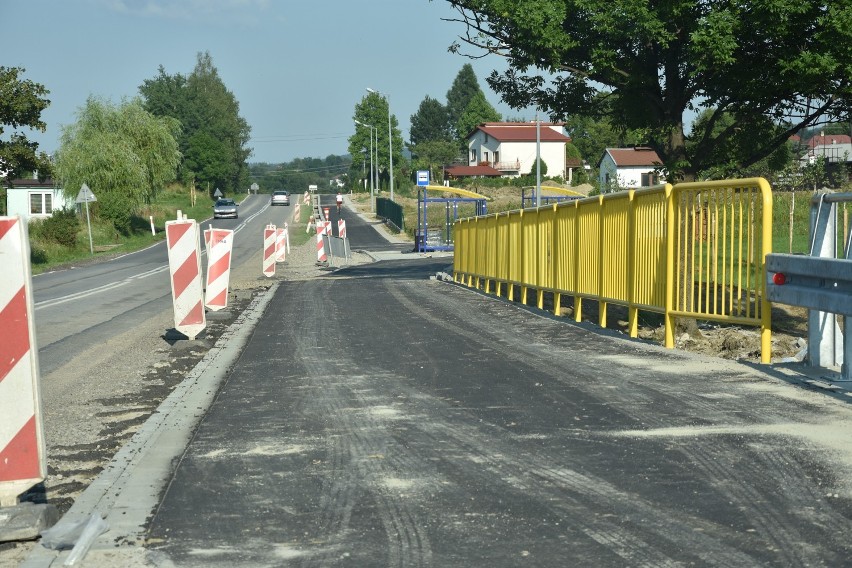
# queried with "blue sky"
point(297, 67)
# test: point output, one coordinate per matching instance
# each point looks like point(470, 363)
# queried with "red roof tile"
point(520, 132)
point(828, 140)
point(639, 156)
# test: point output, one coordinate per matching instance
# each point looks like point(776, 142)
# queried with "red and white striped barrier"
point(269, 241)
point(306, 199)
point(327, 228)
point(326, 215)
point(297, 214)
point(321, 257)
point(280, 245)
point(341, 228)
point(185, 270)
point(22, 453)
point(220, 243)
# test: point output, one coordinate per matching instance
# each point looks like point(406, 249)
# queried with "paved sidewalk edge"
point(129, 489)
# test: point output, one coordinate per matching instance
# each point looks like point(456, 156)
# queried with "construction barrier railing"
point(692, 250)
point(391, 212)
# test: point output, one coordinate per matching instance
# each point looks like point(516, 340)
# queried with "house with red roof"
point(628, 168)
point(835, 148)
point(509, 148)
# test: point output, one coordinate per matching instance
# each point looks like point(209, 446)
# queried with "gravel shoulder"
point(94, 404)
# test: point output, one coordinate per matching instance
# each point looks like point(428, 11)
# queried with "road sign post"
point(85, 196)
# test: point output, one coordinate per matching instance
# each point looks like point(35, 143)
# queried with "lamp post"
point(372, 179)
point(390, 136)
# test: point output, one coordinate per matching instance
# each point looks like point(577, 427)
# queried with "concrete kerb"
point(129, 489)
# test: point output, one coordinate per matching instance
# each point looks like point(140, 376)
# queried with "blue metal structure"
point(440, 238)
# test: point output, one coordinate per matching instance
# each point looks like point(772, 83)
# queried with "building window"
point(485, 156)
point(649, 179)
point(473, 156)
point(41, 203)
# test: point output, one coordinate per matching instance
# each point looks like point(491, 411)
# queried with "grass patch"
point(47, 255)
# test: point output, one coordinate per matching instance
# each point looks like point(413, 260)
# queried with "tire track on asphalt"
point(359, 443)
point(773, 522)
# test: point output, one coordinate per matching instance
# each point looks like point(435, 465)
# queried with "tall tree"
point(21, 104)
point(785, 61)
point(373, 110)
point(430, 122)
point(432, 155)
point(478, 110)
point(215, 136)
point(122, 152)
point(465, 86)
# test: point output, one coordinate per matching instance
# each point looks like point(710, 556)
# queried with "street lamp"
point(372, 179)
point(390, 136)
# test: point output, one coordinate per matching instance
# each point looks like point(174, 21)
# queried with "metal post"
point(390, 137)
point(89, 225)
point(537, 161)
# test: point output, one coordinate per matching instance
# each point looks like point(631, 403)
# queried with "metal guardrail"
point(822, 282)
point(690, 250)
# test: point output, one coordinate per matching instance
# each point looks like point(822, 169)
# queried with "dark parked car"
point(280, 197)
point(225, 208)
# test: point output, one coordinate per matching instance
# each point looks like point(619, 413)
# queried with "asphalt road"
point(376, 417)
point(87, 304)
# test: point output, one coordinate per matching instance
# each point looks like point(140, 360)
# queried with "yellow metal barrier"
point(692, 250)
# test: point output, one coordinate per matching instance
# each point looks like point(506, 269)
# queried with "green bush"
point(61, 228)
point(114, 208)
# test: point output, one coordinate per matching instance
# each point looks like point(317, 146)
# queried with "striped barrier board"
point(220, 243)
point(341, 228)
point(280, 245)
point(22, 451)
point(321, 256)
point(269, 240)
point(297, 214)
point(306, 199)
point(185, 271)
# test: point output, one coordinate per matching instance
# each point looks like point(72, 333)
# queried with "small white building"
point(622, 168)
point(510, 147)
point(34, 199)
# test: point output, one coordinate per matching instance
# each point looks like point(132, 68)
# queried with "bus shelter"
point(436, 215)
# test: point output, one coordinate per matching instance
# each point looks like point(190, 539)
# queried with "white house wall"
point(627, 176)
point(552, 154)
point(18, 201)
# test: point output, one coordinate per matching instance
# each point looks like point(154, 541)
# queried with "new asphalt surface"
point(376, 417)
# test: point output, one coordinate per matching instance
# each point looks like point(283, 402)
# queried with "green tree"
point(783, 61)
point(478, 111)
point(21, 104)
point(432, 155)
point(465, 86)
point(727, 156)
point(215, 136)
point(430, 122)
point(122, 152)
point(373, 109)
